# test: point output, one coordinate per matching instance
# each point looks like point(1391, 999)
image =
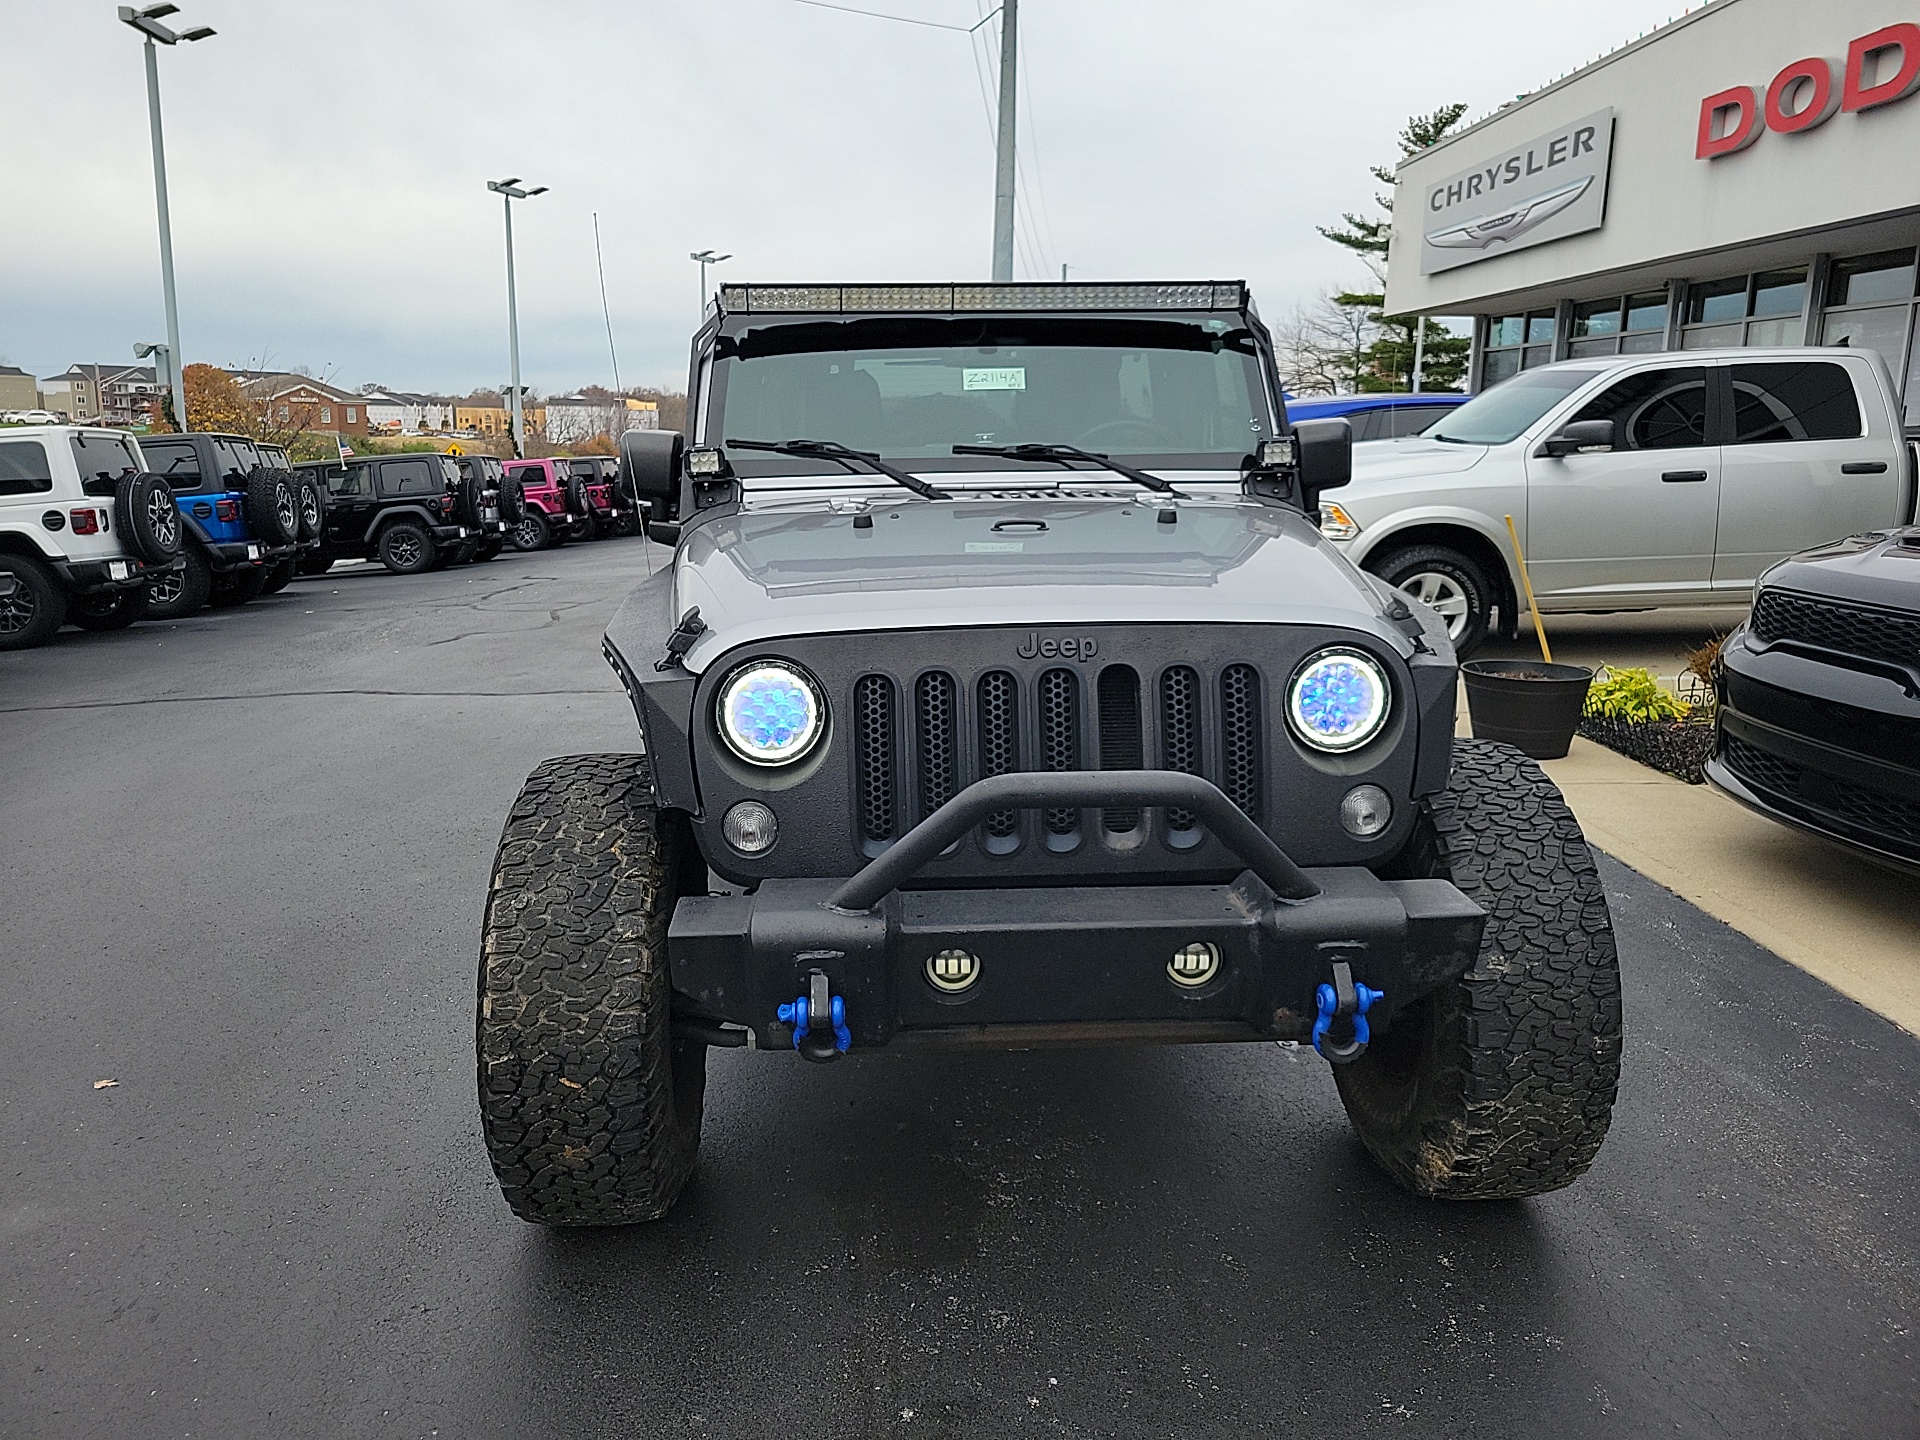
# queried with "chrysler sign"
point(1546, 189)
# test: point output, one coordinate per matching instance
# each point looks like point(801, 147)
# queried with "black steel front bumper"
point(1075, 964)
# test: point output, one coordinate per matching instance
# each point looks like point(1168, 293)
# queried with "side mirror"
point(664, 531)
point(650, 463)
point(1324, 453)
point(1580, 437)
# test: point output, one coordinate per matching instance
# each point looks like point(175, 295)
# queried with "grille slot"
point(1180, 733)
point(1121, 747)
point(1830, 625)
point(1872, 810)
point(1241, 736)
point(937, 733)
point(1060, 739)
point(873, 712)
point(997, 699)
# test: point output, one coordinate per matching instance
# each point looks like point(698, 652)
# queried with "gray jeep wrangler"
point(1003, 692)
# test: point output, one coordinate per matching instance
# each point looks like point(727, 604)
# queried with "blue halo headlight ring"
point(1339, 699)
point(770, 714)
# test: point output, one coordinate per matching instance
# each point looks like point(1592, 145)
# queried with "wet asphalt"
point(245, 858)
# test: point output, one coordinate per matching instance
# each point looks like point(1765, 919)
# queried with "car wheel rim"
point(405, 550)
point(17, 611)
point(288, 512)
point(1444, 596)
point(164, 520)
point(526, 534)
point(166, 589)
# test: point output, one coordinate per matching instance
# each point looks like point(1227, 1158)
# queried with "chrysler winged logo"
point(1510, 223)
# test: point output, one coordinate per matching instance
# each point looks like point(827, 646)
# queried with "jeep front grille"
point(907, 765)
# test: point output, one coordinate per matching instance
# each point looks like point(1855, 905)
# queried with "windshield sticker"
point(995, 547)
point(1005, 378)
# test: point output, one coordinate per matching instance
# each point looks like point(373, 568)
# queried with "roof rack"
point(972, 299)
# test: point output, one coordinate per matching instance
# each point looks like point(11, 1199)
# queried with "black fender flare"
point(387, 517)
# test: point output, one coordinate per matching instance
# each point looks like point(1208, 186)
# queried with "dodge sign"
point(1547, 189)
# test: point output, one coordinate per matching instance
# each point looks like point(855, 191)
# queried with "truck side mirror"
point(1325, 456)
point(650, 464)
point(1580, 437)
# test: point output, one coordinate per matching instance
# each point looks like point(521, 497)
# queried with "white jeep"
point(83, 528)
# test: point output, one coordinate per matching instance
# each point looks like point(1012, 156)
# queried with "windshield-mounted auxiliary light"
point(1338, 699)
point(1276, 454)
point(770, 714)
point(706, 462)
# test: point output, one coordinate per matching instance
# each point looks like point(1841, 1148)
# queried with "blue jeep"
point(1377, 417)
point(245, 515)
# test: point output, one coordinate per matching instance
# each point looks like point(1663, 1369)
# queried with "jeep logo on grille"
point(1068, 647)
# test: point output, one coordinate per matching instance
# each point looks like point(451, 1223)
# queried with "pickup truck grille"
point(1065, 718)
point(1835, 625)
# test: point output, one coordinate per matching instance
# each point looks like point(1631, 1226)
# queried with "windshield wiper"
point(1062, 454)
point(842, 456)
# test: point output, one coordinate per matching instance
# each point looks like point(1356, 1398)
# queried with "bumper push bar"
point(1069, 964)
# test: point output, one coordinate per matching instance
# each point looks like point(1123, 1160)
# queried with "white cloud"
point(328, 160)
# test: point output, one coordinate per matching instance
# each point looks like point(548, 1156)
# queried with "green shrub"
point(1633, 695)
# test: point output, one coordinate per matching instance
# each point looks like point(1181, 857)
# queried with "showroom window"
point(1516, 343)
point(1870, 303)
point(1762, 309)
point(1624, 325)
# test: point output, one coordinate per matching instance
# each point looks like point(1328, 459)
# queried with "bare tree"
point(1322, 347)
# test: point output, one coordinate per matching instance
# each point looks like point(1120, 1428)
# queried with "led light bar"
point(960, 299)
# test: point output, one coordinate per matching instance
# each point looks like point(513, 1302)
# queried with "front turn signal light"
point(1335, 523)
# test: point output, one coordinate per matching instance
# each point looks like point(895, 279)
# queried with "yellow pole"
point(1539, 628)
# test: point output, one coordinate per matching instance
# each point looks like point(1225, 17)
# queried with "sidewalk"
point(1850, 923)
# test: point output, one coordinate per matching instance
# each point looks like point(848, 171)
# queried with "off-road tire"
point(405, 548)
point(534, 531)
point(278, 575)
point(513, 500)
point(1464, 575)
point(181, 593)
point(237, 587)
point(589, 1107)
point(1501, 1085)
point(147, 518)
point(272, 507)
point(37, 607)
point(312, 496)
point(108, 609)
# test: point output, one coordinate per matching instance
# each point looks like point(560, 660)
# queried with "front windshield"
point(1174, 394)
point(1504, 412)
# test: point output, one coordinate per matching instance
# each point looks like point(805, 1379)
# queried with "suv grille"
point(910, 765)
point(1811, 790)
point(1833, 625)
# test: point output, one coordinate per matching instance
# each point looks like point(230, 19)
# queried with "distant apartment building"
point(103, 394)
point(302, 403)
point(494, 421)
point(18, 389)
point(400, 412)
point(572, 418)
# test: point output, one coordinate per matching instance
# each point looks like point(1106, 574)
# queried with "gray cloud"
point(328, 159)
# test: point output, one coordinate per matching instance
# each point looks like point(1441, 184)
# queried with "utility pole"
point(509, 191)
point(1004, 168)
point(147, 22)
point(1419, 350)
point(705, 258)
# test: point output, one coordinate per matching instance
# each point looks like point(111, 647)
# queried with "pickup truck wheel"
point(1501, 1085)
point(278, 576)
point(405, 548)
point(1453, 585)
point(33, 608)
point(108, 609)
point(533, 532)
point(237, 587)
point(589, 1106)
point(179, 593)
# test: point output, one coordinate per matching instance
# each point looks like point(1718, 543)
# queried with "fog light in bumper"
point(1366, 811)
point(952, 970)
point(750, 828)
point(1194, 965)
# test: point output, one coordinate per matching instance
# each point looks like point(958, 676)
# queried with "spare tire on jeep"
point(513, 500)
point(148, 519)
point(273, 510)
point(313, 507)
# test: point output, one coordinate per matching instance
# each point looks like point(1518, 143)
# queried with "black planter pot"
point(1531, 705)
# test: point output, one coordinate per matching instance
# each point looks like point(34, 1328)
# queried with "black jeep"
point(488, 505)
point(402, 510)
point(1003, 692)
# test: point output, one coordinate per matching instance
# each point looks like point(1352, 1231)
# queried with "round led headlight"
point(770, 714)
point(1338, 699)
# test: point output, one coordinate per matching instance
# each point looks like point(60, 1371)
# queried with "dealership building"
point(1746, 175)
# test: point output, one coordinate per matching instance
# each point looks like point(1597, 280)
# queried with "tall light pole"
point(706, 258)
point(509, 191)
point(147, 22)
point(1003, 168)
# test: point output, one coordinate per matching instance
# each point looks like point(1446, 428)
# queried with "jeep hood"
point(1411, 458)
point(763, 574)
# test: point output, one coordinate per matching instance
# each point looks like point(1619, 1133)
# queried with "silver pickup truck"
point(1634, 482)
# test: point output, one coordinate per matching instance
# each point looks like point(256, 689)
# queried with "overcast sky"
point(328, 161)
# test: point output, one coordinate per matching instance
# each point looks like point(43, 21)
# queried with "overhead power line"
point(900, 19)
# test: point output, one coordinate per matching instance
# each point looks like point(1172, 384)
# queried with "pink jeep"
point(557, 511)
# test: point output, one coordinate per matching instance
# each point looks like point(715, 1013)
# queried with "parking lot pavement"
point(259, 916)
